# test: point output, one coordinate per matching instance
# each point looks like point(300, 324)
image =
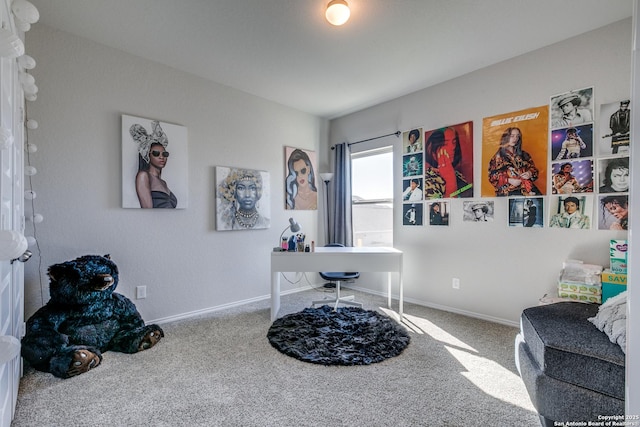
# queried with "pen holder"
point(300, 247)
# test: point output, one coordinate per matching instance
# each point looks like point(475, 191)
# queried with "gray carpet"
point(220, 370)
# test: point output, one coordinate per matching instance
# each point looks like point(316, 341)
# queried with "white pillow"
point(612, 319)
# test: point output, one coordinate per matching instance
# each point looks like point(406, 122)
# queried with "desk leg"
point(389, 290)
point(401, 300)
point(275, 294)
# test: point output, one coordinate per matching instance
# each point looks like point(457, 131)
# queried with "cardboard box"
point(614, 278)
point(610, 290)
point(580, 292)
point(618, 265)
point(612, 284)
point(618, 256)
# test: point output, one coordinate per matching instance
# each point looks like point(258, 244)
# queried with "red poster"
point(448, 162)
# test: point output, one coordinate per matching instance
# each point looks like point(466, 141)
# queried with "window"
point(372, 197)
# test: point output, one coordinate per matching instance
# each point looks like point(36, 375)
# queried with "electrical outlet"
point(455, 283)
point(141, 292)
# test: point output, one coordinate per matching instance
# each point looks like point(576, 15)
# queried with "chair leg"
point(335, 307)
point(348, 300)
point(325, 300)
point(353, 303)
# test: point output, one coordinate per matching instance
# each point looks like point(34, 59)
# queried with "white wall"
point(501, 269)
point(186, 265)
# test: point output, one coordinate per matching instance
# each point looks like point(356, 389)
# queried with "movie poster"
point(448, 162)
point(514, 153)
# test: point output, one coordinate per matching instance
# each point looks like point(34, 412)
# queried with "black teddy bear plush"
point(84, 318)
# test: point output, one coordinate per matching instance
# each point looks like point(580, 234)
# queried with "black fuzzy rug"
point(348, 336)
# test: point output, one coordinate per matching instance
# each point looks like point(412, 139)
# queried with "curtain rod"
point(396, 133)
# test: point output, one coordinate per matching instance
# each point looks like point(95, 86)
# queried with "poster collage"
point(550, 163)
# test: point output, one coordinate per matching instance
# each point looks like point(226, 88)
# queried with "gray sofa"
point(571, 370)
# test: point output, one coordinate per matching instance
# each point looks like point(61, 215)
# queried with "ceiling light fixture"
point(337, 12)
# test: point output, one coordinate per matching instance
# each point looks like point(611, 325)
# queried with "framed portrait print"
point(301, 182)
point(154, 164)
point(243, 199)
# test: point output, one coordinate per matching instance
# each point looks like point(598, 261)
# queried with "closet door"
point(11, 218)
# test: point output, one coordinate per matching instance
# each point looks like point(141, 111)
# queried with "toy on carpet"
point(83, 318)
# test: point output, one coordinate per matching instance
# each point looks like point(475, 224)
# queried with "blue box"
point(613, 284)
point(609, 290)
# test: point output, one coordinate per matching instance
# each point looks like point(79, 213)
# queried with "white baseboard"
point(209, 310)
point(442, 307)
point(234, 304)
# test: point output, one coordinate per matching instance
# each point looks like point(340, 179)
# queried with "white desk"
point(336, 259)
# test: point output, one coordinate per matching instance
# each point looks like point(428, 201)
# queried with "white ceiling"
point(284, 50)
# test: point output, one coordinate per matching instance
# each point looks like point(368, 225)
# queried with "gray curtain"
point(340, 225)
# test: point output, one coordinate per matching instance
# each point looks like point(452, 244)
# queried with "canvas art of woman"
point(239, 194)
point(152, 190)
point(302, 193)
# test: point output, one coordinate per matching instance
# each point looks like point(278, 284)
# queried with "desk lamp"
point(293, 226)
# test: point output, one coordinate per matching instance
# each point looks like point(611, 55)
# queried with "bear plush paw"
point(82, 361)
point(151, 339)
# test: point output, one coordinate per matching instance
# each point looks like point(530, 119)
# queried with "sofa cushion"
point(569, 348)
point(559, 400)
